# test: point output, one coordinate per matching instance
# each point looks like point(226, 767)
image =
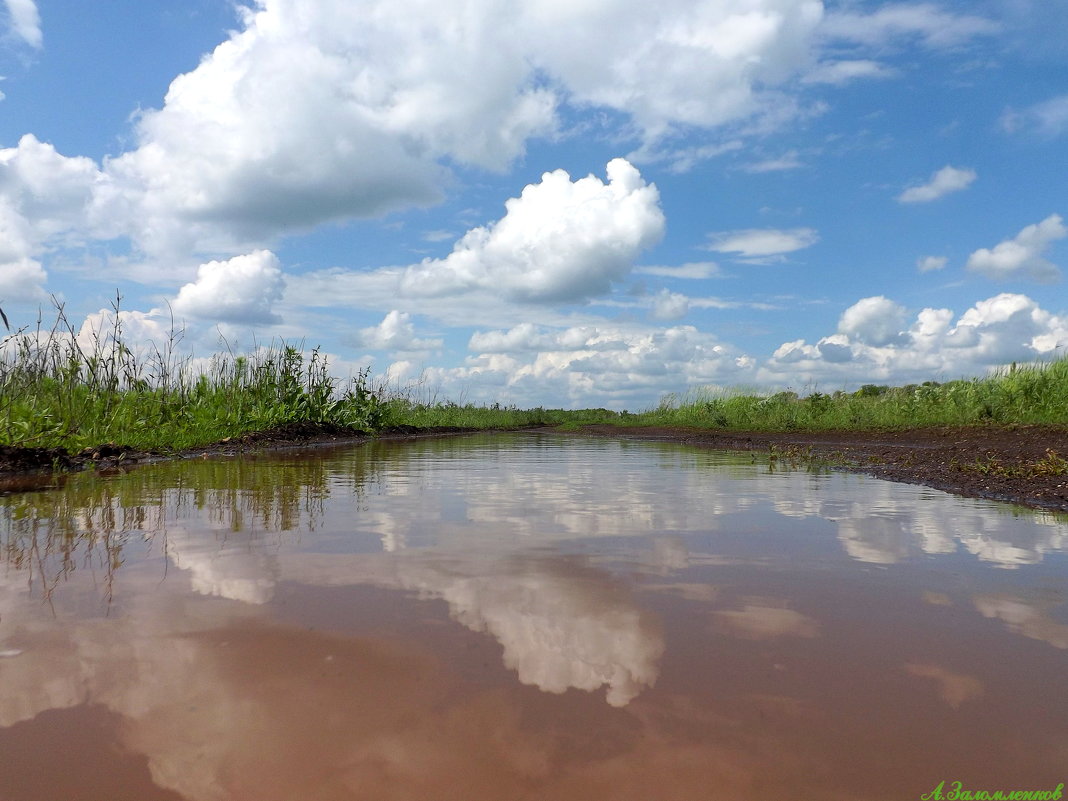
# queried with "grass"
point(1019, 395)
point(77, 389)
point(62, 388)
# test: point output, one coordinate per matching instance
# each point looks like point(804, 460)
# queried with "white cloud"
point(320, 110)
point(876, 343)
point(142, 332)
point(928, 264)
point(675, 63)
point(331, 109)
point(395, 333)
point(25, 21)
point(1022, 256)
point(925, 23)
point(559, 241)
point(22, 279)
point(1048, 118)
point(43, 195)
point(838, 73)
point(946, 180)
point(240, 290)
point(874, 321)
point(757, 243)
point(607, 364)
point(691, 270)
point(669, 306)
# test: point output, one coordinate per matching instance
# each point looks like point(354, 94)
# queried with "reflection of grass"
point(1026, 394)
point(89, 523)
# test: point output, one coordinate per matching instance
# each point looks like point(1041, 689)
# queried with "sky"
point(567, 204)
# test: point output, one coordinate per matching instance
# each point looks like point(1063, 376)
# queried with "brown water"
point(524, 617)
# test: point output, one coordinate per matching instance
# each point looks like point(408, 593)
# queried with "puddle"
point(524, 617)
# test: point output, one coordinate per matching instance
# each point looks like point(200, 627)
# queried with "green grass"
point(1019, 395)
point(59, 390)
point(401, 410)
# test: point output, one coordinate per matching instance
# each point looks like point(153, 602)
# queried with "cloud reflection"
point(561, 623)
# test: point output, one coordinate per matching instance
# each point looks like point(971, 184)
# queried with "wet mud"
point(1025, 465)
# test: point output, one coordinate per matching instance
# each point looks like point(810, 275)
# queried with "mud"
point(19, 461)
point(1019, 464)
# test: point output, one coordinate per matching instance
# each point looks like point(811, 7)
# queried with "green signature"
point(956, 792)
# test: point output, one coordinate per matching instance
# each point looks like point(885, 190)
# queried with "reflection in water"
point(1027, 617)
point(955, 688)
point(561, 623)
point(760, 619)
point(438, 620)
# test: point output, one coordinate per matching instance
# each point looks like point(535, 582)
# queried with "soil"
point(1026, 465)
point(21, 461)
point(1020, 464)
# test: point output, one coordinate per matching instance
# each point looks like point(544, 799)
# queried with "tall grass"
point(75, 389)
point(1021, 394)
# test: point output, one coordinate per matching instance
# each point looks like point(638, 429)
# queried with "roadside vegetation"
point(1018, 395)
point(71, 389)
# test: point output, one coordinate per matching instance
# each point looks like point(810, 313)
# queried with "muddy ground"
point(1027, 465)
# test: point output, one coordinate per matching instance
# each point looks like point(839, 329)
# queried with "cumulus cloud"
point(669, 306)
point(240, 290)
point(876, 342)
point(676, 63)
point(22, 279)
point(142, 332)
point(946, 180)
point(1048, 118)
point(874, 321)
point(320, 110)
point(325, 110)
point(43, 195)
point(1022, 256)
point(762, 243)
point(396, 333)
point(25, 21)
point(558, 241)
point(608, 364)
point(927, 264)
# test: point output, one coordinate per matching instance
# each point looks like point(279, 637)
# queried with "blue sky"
point(569, 204)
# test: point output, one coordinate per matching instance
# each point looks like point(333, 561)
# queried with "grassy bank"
point(1021, 395)
point(75, 389)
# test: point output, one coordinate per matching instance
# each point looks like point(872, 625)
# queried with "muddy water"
point(524, 617)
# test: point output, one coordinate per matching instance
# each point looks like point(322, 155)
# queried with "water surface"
point(524, 617)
